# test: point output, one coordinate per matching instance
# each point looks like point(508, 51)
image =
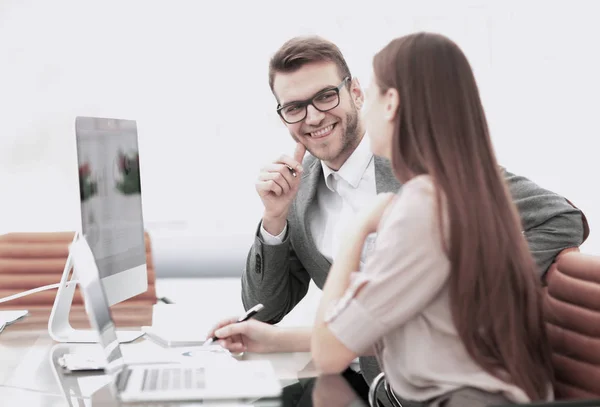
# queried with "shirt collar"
point(355, 166)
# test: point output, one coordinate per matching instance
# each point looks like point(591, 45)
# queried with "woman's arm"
point(294, 339)
point(260, 337)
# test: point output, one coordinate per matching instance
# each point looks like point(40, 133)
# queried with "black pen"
point(249, 314)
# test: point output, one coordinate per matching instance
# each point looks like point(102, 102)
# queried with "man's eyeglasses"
point(323, 101)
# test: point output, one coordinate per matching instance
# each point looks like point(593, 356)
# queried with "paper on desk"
point(149, 353)
point(207, 355)
point(135, 353)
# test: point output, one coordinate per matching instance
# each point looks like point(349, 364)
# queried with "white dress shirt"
point(339, 198)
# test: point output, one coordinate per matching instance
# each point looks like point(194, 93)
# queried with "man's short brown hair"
point(303, 50)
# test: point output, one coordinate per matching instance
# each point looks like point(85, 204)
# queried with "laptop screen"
point(105, 325)
point(96, 304)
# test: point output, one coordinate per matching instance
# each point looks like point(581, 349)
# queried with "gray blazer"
point(278, 276)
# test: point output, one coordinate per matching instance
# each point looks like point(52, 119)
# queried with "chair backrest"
point(572, 302)
point(30, 260)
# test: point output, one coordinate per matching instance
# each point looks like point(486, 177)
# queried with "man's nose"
point(313, 116)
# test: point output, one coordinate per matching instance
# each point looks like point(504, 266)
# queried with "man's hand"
point(277, 185)
point(250, 336)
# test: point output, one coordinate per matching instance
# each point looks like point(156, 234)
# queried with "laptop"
point(177, 381)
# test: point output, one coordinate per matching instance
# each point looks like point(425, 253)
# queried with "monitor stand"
point(60, 328)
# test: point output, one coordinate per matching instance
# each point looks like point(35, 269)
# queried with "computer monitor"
point(111, 203)
point(111, 218)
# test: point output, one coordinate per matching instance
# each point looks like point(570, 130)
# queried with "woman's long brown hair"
point(441, 130)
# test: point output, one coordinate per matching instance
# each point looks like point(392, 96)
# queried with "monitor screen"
point(110, 193)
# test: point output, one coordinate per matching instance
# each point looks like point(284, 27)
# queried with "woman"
point(449, 298)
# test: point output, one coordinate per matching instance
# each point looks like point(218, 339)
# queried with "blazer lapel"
point(305, 198)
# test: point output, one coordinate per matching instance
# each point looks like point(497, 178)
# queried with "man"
point(309, 201)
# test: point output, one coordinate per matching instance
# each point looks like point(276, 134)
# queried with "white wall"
point(195, 79)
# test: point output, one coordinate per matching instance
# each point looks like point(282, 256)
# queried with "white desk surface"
point(26, 354)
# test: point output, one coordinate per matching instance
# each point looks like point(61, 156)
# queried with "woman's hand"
point(247, 336)
point(371, 215)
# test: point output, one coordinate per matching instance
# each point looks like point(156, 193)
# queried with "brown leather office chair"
point(573, 321)
point(30, 260)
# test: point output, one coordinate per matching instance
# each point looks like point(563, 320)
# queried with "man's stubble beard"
point(349, 141)
point(351, 136)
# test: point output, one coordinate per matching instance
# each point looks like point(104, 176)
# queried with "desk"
point(27, 374)
point(324, 391)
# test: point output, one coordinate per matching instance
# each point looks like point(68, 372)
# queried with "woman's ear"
point(391, 104)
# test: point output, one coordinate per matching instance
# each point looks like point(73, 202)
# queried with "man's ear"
point(358, 96)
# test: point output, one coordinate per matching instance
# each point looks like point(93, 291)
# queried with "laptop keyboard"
point(182, 378)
